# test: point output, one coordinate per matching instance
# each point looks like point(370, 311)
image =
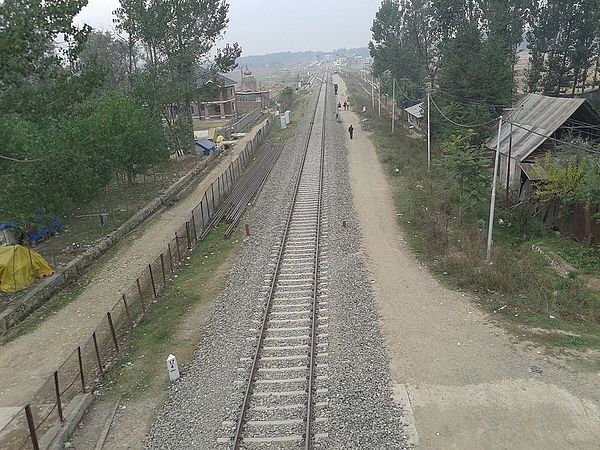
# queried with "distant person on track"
point(345, 106)
point(339, 105)
point(351, 132)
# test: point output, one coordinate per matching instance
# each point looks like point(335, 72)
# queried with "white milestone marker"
point(172, 368)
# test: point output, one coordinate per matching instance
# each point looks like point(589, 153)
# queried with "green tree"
point(28, 35)
point(563, 38)
point(112, 54)
point(464, 163)
point(177, 36)
point(400, 45)
point(286, 97)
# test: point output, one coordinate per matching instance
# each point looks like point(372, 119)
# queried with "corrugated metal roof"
point(534, 171)
point(539, 114)
point(416, 110)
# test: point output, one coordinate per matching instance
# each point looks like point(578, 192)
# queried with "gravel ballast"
point(204, 404)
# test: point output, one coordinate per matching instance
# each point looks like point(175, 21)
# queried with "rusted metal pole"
point(202, 215)
point(187, 235)
point(58, 403)
point(81, 374)
point(127, 309)
point(152, 279)
point(194, 228)
point(162, 265)
point(32, 430)
point(97, 352)
point(205, 199)
point(170, 256)
point(246, 230)
point(141, 295)
point(112, 331)
point(212, 192)
point(177, 245)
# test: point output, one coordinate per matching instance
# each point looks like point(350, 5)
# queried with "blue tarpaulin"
point(208, 147)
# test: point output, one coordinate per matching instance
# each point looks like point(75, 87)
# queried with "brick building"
point(221, 101)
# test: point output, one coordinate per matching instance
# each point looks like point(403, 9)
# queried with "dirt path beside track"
point(27, 361)
point(470, 384)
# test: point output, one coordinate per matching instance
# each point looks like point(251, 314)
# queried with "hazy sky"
point(266, 26)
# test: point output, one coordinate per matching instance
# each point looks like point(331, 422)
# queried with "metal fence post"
point(152, 280)
point(81, 374)
point(219, 188)
point(205, 199)
point(112, 331)
point(194, 228)
point(212, 192)
point(170, 256)
point(58, 403)
point(32, 430)
point(187, 235)
point(137, 281)
point(162, 265)
point(202, 214)
point(97, 352)
point(127, 309)
point(177, 245)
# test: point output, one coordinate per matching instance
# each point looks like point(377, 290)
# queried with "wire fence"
point(34, 425)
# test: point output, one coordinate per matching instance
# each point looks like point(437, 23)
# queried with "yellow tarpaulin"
point(19, 267)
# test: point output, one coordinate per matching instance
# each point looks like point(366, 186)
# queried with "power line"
point(570, 144)
point(469, 100)
point(461, 124)
point(8, 158)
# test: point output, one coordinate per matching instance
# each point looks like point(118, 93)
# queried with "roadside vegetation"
point(463, 55)
point(444, 215)
point(173, 324)
point(81, 110)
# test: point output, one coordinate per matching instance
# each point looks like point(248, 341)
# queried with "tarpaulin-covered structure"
point(19, 267)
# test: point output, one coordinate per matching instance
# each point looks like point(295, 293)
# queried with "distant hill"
point(290, 59)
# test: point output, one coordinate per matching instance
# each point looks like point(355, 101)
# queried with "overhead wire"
point(570, 144)
point(462, 125)
point(468, 100)
point(8, 158)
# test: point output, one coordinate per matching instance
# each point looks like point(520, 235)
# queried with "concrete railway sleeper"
point(285, 395)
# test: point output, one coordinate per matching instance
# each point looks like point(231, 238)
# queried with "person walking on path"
point(351, 131)
point(345, 106)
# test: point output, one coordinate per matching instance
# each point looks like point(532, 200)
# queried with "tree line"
point(467, 50)
point(77, 105)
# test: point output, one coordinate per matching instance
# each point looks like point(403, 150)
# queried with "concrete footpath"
point(27, 361)
point(471, 385)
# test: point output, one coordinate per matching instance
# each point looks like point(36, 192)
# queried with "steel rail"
point(313, 336)
point(237, 439)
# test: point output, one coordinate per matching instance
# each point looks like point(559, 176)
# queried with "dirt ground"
point(471, 383)
point(39, 352)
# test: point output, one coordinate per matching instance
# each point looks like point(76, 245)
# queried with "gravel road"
point(361, 412)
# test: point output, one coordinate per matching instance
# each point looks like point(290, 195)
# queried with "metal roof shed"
point(415, 114)
point(535, 118)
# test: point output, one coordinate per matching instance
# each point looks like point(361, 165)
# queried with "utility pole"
point(493, 197)
point(428, 131)
point(507, 199)
point(372, 92)
point(379, 94)
point(393, 105)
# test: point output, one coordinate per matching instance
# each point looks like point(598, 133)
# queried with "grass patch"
point(519, 286)
point(196, 287)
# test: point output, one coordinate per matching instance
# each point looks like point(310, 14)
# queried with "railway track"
point(285, 396)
